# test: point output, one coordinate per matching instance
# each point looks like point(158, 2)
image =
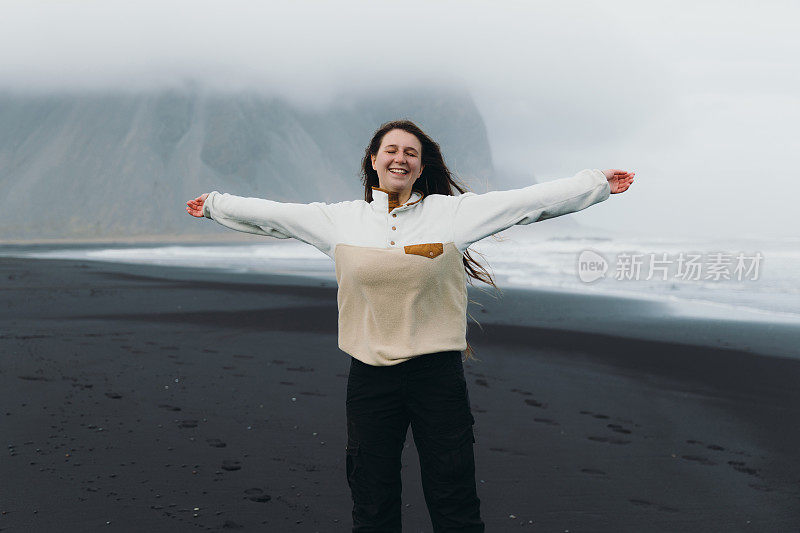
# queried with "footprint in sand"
point(187, 423)
point(645, 503)
point(593, 472)
point(619, 429)
point(740, 466)
point(257, 495)
point(231, 465)
point(610, 440)
point(698, 459)
point(546, 421)
point(531, 401)
point(715, 447)
point(503, 450)
point(216, 443)
point(168, 407)
point(114, 395)
point(482, 383)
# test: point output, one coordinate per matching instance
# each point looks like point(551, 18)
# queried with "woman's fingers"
point(621, 179)
point(195, 207)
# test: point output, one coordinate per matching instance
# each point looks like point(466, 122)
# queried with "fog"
point(701, 101)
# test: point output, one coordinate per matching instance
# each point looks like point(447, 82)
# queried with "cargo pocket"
point(355, 474)
point(449, 458)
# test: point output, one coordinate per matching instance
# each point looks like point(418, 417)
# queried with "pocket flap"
point(429, 250)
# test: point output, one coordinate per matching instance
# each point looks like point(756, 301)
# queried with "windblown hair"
point(436, 178)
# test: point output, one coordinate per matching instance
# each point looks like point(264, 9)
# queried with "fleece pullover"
point(402, 284)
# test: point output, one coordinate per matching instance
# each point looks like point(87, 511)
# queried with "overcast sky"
point(700, 99)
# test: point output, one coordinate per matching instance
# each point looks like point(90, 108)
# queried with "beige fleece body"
point(397, 303)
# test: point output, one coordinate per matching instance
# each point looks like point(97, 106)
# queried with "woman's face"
point(398, 161)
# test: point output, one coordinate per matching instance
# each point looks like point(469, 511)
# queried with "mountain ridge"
point(119, 166)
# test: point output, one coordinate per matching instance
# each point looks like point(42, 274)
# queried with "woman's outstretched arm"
point(477, 216)
point(310, 223)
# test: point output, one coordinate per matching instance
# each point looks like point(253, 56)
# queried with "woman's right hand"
point(619, 180)
point(195, 207)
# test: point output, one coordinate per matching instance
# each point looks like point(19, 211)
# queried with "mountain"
point(122, 165)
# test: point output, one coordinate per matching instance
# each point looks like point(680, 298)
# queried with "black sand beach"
point(139, 398)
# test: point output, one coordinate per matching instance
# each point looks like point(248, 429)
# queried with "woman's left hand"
point(619, 180)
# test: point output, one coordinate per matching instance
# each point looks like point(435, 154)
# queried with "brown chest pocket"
point(429, 250)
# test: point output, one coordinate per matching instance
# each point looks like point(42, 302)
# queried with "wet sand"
point(138, 398)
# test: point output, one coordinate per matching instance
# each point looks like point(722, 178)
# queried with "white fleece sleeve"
point(479, 215)
point(311, 223)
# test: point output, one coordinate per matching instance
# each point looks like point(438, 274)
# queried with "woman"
point(402, 263)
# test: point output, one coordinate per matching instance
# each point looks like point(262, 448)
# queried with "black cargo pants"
point(430, 393)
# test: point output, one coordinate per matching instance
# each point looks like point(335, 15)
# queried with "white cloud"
point(700, 99)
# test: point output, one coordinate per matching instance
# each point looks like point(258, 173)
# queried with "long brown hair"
point(436, 178)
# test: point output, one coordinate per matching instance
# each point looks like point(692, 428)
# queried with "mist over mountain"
point(122, 165)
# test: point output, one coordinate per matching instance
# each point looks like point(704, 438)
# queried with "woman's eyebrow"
point(395, 146)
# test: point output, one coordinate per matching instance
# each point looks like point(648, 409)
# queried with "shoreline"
point(630, 318)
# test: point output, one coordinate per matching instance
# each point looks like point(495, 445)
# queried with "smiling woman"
point(402, 264)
